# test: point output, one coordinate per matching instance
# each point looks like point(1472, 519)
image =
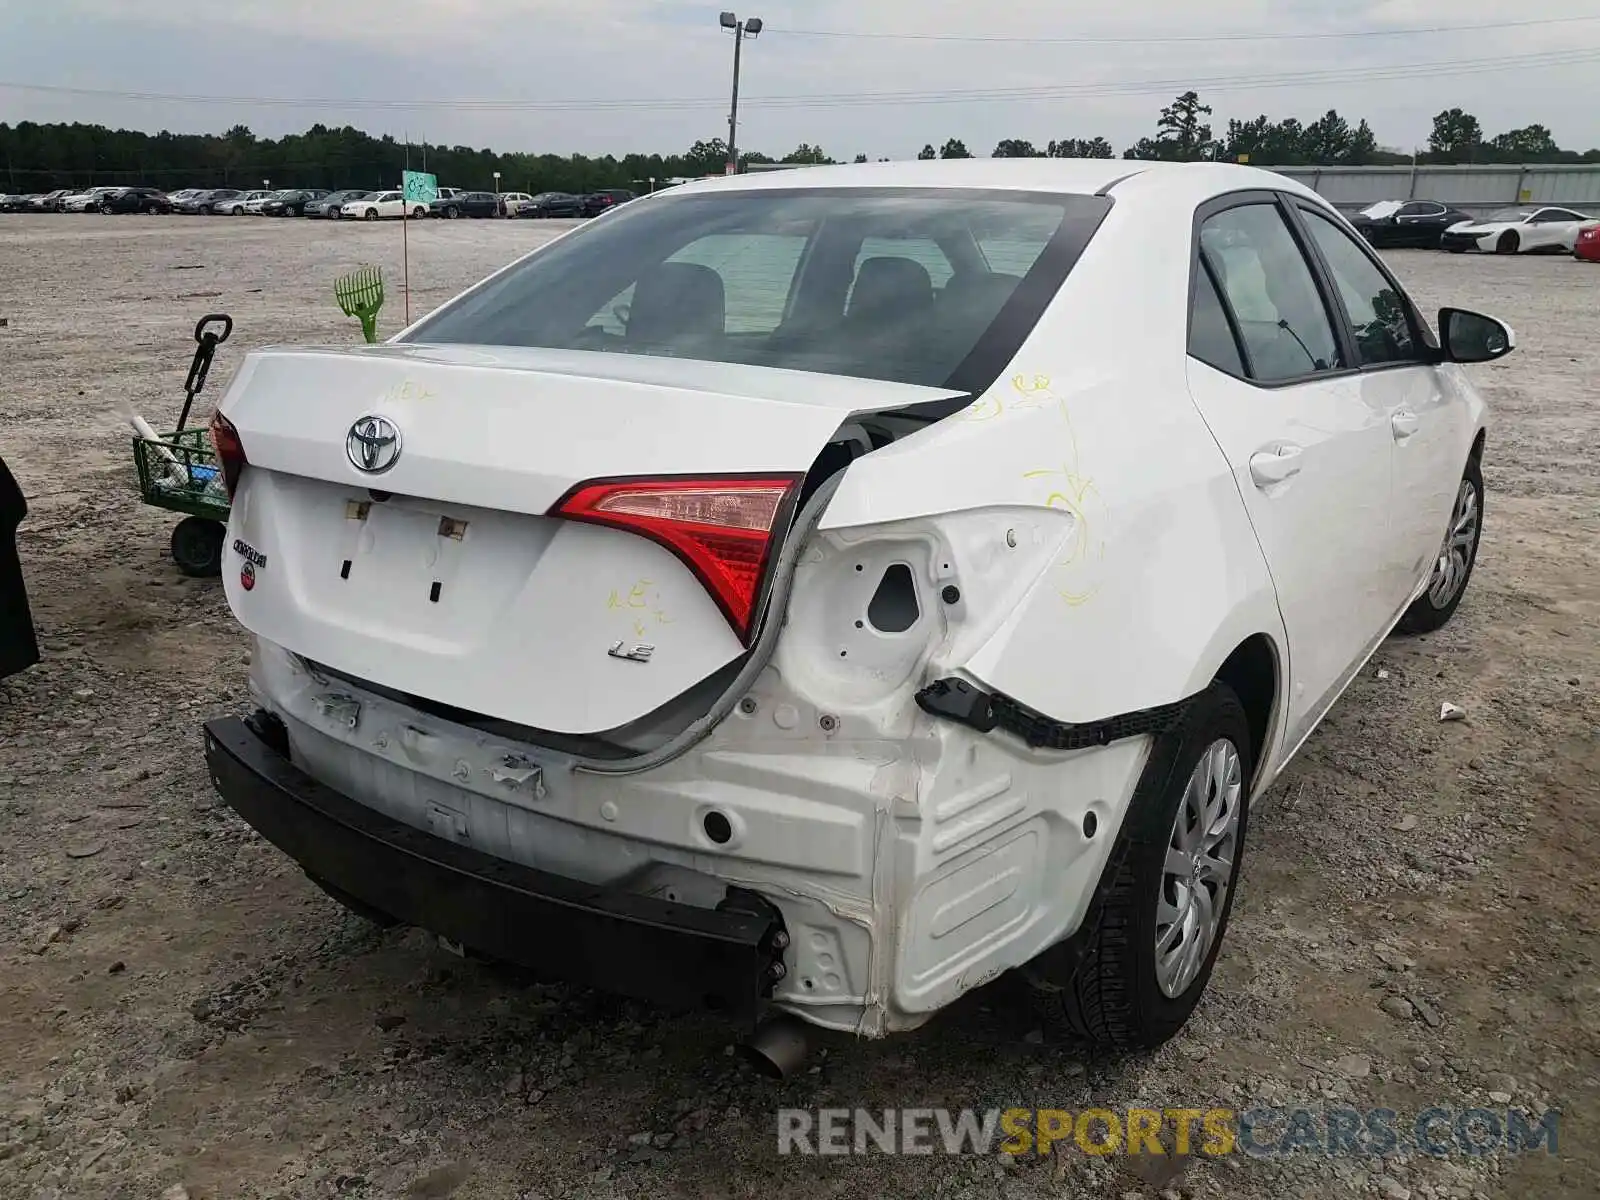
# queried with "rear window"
point(933, 287)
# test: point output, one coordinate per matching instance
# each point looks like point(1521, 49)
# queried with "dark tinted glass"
point(1210, 337)
point(1273, 295)
point(1378, 317)
point(779, 278)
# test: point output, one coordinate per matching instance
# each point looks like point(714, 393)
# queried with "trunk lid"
point(442, 577)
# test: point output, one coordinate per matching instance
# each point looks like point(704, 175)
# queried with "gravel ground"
point(183, 1014)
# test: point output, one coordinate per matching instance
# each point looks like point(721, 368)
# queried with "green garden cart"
point(179, 471)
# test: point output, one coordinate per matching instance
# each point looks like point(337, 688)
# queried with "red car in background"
point(1588, 243)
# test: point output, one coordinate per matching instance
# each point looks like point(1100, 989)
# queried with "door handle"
point(1404, 423)
point(1274, 466)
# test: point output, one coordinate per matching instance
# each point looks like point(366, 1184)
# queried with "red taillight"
point(230, 451)
point(722, 527)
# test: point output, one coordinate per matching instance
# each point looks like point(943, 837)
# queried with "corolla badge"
point(373, 444)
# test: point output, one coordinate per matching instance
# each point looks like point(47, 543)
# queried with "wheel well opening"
point(1252, 672)
point(1477, 446)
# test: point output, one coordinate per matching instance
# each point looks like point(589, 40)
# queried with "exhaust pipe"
point(778, 1046)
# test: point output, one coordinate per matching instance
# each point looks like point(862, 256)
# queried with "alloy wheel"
point(1455, 555)
point(1201, 852)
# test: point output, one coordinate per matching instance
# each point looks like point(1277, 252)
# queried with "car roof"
point(1137, 181)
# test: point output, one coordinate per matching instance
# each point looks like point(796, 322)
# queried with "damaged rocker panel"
point(959, 701)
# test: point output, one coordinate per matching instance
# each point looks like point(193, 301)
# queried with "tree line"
point(37, 158)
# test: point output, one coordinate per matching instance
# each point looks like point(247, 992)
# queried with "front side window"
point(1269, 286)
point(890, 284)
point(1379, 321)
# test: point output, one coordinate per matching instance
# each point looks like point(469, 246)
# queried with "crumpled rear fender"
point(1083, 570)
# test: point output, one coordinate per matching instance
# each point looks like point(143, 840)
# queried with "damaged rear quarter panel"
point(1134, 571)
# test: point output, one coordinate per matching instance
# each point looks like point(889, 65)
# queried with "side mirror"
point(1469, 337)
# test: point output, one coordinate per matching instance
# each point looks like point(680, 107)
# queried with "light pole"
point(741, 30)
point(497, 183)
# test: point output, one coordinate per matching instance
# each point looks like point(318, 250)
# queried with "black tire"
point(205, 210)
point(1425, 615)
point(452, 212)
point(152, 210)
point(197, 547)
point(1110, 994)
point(371, 214)
point(1508, 242)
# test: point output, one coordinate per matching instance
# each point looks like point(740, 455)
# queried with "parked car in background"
point(331, 204)
point(1419, 223)
point(1587, 246)
point(382, 206)
point(87, 201)
point(511, 202)
point(211, 200)
point(182, 194)
point(16, 202)
point(50, 201)
point(1526, 229)
point(292, 203)
point(466, 204)
point(19, 646)
point(148, 200)
point(974, 607)
point(596, 203)
point(553, 204)
point(248, 204)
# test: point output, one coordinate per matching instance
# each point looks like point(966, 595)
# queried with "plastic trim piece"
point(959, 701)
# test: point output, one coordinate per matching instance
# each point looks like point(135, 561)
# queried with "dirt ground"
point(183, 1014)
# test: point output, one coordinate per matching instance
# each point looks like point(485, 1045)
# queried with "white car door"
point(1310, 450)
point(1554, 227)
point(1429, 423)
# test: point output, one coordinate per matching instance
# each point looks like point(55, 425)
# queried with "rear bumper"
point(617, 941)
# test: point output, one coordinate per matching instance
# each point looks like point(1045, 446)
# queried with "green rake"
point(360, 295)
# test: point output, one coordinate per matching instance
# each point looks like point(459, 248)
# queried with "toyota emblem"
point(373, 444)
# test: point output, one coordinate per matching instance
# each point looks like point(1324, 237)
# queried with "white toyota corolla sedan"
point(824, 591)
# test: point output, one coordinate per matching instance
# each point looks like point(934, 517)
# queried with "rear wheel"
point(1508, 243)
point(452, 212)
point(1458, 554)
point(197, 547)
point(1164, 901)
point(152, 210)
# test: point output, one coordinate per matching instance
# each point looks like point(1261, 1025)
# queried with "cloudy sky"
point(598, 76)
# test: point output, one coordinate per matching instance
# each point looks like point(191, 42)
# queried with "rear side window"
point(1210, 336)
point(1271, 291)
point(1379, 321)
point(876, 283)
